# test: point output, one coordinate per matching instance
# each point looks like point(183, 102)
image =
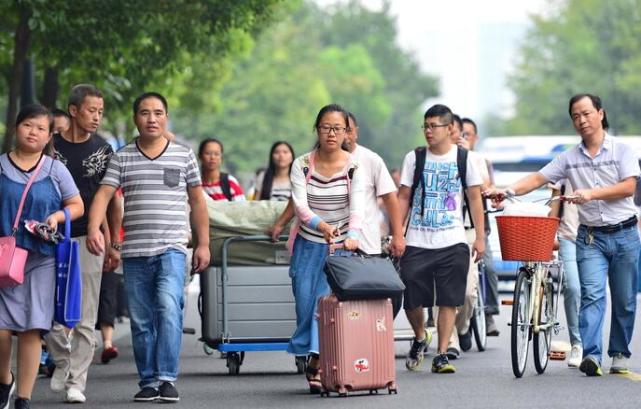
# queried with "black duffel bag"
point(362, 277)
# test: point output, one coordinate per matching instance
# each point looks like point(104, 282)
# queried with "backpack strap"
point(420, 154)
point(461, 164)
point(224, 186)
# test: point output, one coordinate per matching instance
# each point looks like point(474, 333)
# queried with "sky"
point(470, 45)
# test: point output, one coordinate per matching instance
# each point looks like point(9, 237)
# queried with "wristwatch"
point(116, 246)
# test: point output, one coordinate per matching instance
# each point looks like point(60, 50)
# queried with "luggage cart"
point(247, 308)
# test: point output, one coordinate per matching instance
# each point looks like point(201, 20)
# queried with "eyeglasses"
point(431, 127)
point(326, 129)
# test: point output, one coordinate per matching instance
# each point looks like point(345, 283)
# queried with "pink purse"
point(12, 258)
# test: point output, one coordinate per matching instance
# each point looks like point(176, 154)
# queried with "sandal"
point(313, 378)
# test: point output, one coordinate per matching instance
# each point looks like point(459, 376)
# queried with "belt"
point(613, 228)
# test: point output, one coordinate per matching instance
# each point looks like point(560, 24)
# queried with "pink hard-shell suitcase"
point(356, 345)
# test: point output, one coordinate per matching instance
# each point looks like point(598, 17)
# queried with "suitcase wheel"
point(324, 392)
point(392, 391)
point(342, 395)
point(373, 391)
point(233, 363)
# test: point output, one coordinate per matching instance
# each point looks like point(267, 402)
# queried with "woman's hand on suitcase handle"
point(350, 244)
point(329, 232)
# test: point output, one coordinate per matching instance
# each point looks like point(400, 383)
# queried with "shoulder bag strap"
point(26, 191)
point(67, 235)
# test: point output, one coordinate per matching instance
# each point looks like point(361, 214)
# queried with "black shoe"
point(441, 364)
point(168, 392)
point(147, 394)
point(452, 353)
point(21, 403)
point(465, 341)
point(6, 391)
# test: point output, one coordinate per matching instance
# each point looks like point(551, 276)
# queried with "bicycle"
point(477, 322)
point(530, 240)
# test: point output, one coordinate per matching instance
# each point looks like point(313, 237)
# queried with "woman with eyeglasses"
point(274, 183)
point(328, 199)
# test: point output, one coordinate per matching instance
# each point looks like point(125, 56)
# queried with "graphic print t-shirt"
point(441, 224)
point(87, 162)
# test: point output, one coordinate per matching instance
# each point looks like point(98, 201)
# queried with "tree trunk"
point(50, 87)
point(20, 50)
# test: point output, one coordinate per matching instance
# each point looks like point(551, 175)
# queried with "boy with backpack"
point(435, 265)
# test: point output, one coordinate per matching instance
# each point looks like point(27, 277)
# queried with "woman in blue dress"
point(27, 309)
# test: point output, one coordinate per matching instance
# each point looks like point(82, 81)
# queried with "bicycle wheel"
point(477, 323)
point(520, 325)
point(543, 339)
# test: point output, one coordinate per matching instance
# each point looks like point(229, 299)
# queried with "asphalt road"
point(269, 380)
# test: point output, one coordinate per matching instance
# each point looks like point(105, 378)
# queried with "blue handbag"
point(68, 309)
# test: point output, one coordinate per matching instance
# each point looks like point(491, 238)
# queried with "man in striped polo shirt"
point(603, 172)
point(157, 177)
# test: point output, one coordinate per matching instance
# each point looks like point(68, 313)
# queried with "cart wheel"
point(233, 363)
point(301, 364)
point(207, 349)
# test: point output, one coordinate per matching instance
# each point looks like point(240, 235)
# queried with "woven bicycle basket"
point(527, 238)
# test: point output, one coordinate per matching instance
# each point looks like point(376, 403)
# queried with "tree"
point(122, 46)
point(581, 46)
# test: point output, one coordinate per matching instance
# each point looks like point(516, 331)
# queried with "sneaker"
point(21, 403)
point(415, 357)
point(108, 354)
point(74, 395)
point(428, 340)
point(452, 353)
point(6, 391)
point(491, 329)
point(147, 394)
point(441, 364)
point(620, 364)
point(58, 380)
point(168, 392)
point(465, 340)
point(576, 353)
point(590, 367)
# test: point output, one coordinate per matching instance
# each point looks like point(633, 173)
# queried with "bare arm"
point(200, 221)
point(528, 183)
point(95, 239)
point(476, 210)
point(396, 220)
point(555, 206)
point(404, 201)
point(623, 189)
point(277, 228)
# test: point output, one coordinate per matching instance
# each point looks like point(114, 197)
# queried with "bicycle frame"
point(538, 273)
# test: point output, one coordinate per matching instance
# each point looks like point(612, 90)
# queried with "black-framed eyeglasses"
point(431, 127)
point(326, 129)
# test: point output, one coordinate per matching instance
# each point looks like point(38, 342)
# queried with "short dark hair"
point(469, 121)
point(596, 103)
point(57, 112)
point(34, 111)
point(147, 95)
point(439, 111)
point(204, 143)
point(353, 118)
point(331, 108)
point(457, 119)
point(80, 92)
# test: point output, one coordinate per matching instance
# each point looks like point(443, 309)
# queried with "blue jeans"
point(611, 256)
point(571, 288)
point(154, 287)
point(309, 284)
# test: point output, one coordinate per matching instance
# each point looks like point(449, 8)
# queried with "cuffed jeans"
point(154, 287)
point(309, 284)
point(571, 288)
point(613, 256)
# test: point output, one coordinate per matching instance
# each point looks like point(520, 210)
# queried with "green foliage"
point(582, 46)
point(313, 57)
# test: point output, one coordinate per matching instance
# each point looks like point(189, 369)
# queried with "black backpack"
point(461, 163)
point(224, 186)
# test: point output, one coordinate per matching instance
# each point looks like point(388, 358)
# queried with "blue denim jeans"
point(309, 284)
point(612, 257)
point(571, 288)
point(154, 287)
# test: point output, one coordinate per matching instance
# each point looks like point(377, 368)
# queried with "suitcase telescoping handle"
point(223, 270)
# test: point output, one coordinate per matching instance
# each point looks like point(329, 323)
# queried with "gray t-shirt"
point(155, 193)
point(62, 179)
point(614, 162)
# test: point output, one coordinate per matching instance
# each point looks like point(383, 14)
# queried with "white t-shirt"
point(377, 182)
point(441, 223)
